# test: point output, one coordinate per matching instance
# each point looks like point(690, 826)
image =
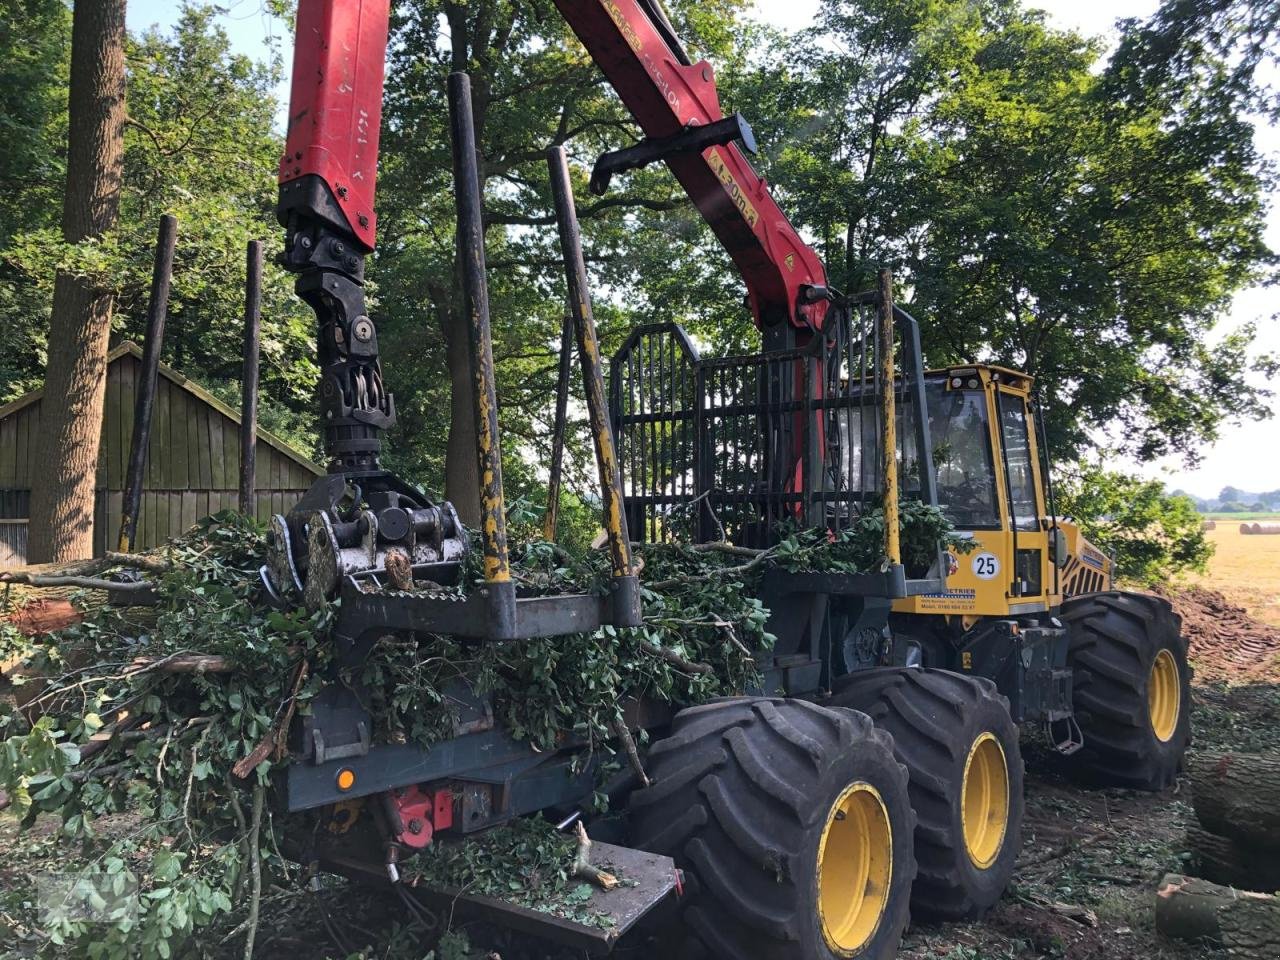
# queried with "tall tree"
point(71, 423)
point(891, 60)
point(1033, 216)
point(1091, 243)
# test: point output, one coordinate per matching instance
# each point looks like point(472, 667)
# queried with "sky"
point(1245, 456)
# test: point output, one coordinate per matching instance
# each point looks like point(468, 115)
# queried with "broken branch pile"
point(176, 713)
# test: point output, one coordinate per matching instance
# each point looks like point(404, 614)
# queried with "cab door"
point(1023, 495)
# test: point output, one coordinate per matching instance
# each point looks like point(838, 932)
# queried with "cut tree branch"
point(181, 662)
point(255, 862)
point(87, 583)
point(623, 733)
point(673, 658)
point(582, 863)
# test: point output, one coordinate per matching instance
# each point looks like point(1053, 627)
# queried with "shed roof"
point(191, 387)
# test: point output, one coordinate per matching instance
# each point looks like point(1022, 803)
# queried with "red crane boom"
point(636, 49)
point(329, 168)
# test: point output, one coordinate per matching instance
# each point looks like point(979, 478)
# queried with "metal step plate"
point(647, 881)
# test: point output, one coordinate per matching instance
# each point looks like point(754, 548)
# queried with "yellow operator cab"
point(993, 484)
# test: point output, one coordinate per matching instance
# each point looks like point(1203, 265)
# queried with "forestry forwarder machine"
point(878, 766)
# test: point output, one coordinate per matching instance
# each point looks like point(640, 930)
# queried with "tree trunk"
point(1246, 924)
point(1237, 795)
point(1224, 860)
point(75, 382)
point(44, 616)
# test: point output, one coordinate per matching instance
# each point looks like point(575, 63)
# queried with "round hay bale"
point(1270, 526)
point(1246, 528)
point(1209, 525)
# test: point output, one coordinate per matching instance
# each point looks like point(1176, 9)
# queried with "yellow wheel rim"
point(855, 866)
point(1164, 696)
point(984, 800)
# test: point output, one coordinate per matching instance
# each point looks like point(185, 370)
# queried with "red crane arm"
point(635, 49)
point(336, 106)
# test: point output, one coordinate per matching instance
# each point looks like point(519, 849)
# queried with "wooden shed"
point(193, 461)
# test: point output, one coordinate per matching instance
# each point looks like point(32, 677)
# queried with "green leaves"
point(199, 143)
point(1218, 48)
point(859, 547)
point(543, 688)
point(33, 766)
point(1152, 534)
point(1033, 215)
point(169, 767)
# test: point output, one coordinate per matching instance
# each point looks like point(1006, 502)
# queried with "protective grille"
point(744, 447)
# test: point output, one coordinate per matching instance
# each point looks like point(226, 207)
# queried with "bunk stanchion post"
point(249, 377)
point(913, 377)
point(888, 417)
point(557, 431)
point(625, 585)
point(500, 590)
point(157, 310)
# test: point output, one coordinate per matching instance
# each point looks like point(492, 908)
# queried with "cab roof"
point(986, 373)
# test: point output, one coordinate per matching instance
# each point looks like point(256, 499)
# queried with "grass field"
point(1220, 517)
point(1245, 568)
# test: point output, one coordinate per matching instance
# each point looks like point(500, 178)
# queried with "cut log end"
point(1246, 924)
point(399, 570)
point(45, 616)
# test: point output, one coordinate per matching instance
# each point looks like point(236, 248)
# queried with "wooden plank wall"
point(193, 462)
point(18, 433)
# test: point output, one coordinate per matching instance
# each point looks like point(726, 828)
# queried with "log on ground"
point(1246, 924)
point(1237, 795)
point(1227, 861)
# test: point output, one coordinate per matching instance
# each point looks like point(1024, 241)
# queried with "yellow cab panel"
point(987, 460)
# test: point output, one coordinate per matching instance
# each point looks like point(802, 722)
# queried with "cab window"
point(1017, 450)
point(959, 432)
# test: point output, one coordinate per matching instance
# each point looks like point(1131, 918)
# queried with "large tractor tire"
point(1131, 688)
point(793, 828)
point(960, 748)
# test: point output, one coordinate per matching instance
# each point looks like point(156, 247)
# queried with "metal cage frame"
point(747, 447)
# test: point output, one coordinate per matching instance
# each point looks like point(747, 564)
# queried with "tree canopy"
point(1032, 219)
point(1089, 220)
